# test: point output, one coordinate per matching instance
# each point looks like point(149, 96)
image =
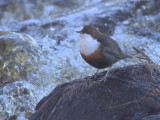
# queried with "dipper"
point(99, 50)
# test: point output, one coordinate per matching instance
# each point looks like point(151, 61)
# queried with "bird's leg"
point(104, 78)
point(106, 75)
point(95, 75)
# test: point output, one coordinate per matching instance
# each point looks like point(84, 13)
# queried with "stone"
point(128, 93)
point(19, 55)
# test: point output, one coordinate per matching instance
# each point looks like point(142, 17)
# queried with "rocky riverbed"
point(39, 47)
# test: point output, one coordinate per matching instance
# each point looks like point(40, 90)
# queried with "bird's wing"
point(111, 47)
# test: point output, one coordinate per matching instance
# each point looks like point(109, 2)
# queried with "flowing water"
point(54, 26)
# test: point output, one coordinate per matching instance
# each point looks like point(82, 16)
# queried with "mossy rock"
point(18, 56)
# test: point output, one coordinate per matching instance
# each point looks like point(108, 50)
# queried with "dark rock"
point(108, 19)
point(129, 93)
point(145, 21)
point(14, 117)
point(68, 3)
point(105, 25)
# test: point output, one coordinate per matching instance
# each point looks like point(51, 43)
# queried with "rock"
point(28, 114)
point(68, 3)
point(12, 118)
point(19, 56)
point(128, 93)
point(152, 117)
point(107, 23)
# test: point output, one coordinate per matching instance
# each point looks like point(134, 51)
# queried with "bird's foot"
point(106, 75)
point(95, 75)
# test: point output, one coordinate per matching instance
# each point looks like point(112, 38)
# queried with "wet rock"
point(18, 10)
point(145, 21)
point(40, 30)
point(143, 18)
point(108, 19)
point(68, 3)
point(105, 25)
point(148, 7)
point(128, 93)
point(16, 98)
point(4, 116)
point(14, 117)
point(19, 56)
point(27, 115)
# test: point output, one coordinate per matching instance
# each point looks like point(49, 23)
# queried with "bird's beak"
point(79, 32)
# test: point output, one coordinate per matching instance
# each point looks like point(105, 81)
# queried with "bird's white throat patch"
point(88, 45)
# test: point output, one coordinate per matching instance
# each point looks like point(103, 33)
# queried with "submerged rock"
point(18, 56)
point(128, 93)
